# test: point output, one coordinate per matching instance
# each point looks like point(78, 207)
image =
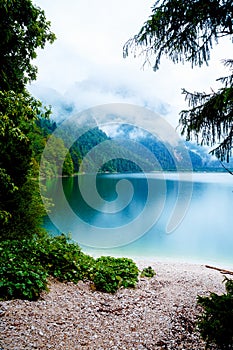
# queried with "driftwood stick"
point(227, 272)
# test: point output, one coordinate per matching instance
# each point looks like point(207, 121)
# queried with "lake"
point(185, 217)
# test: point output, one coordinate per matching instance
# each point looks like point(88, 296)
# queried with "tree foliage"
point(210, 118)
point(216, 322)
point(20, 206)
point(185, 31)
point(57, 157)
point(23, 29)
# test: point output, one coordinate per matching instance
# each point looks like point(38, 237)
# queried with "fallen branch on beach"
point(226, 272)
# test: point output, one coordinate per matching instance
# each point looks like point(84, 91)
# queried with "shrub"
point(21, 275)
point(216, 323)
point(148, 272)
point(64, 259)
point(26, 264)
point(110, 273)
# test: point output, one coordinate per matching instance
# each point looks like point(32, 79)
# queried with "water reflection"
point(205, 232)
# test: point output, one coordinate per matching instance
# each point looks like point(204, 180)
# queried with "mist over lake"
point(203, 231)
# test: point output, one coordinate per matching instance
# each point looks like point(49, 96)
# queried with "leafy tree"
point(185, 31)
point(46, 126)
point(20, 205)
point(23, 29)
point(83, 144)
point(53, 158)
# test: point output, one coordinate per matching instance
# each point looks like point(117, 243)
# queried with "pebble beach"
point(160, 313)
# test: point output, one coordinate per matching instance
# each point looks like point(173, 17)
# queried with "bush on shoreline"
point(110, 273)
point(25, 266)
point(22, 275)
point(216, 323)
point(148, 272)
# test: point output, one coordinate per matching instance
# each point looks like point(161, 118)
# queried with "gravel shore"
point(159, 314)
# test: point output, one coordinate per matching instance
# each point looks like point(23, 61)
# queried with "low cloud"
point(89, 93)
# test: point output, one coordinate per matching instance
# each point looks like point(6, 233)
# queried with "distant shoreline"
point(181, 171)
point(152, 260)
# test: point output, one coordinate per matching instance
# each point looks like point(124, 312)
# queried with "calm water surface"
point(205, 233)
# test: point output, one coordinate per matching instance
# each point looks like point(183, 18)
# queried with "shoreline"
point(163, 259)
point(193, 262)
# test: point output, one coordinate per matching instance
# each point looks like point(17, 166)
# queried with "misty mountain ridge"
point(200, 158)
point(63, 107)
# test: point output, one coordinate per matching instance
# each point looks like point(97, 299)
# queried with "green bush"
point(110, 273)
point(64, 259)
point(26, 264)
point(216, 323)
point(21, 274)
point(148, 272)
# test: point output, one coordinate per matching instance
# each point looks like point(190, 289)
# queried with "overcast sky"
point(85, 63)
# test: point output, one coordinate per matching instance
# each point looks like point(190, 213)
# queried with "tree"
point(56, 157)
point(185, 31)
point(23, 28)
point(20, 204)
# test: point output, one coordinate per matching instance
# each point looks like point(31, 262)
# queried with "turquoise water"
point(136, 216)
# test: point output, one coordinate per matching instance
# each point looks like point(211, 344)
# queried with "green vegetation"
point(64, 259)
point(21, 273)
point(216, 323)
point(110, 273)
point(82, 156)
point(26, 264)
point(27, 254)
point(148, 272)
point(23, 29)
point(53, 159)
point(118, 153)
point(20, 204)
point(184, 31)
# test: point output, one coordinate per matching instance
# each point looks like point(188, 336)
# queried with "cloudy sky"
point(85, 64)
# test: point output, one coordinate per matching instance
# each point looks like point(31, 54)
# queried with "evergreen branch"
point(183, 30)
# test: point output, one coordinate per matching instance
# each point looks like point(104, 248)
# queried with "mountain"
point(166, 154)
point(125, 145)
point(128, 149)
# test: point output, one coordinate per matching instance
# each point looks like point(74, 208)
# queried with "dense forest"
point(117, 154)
